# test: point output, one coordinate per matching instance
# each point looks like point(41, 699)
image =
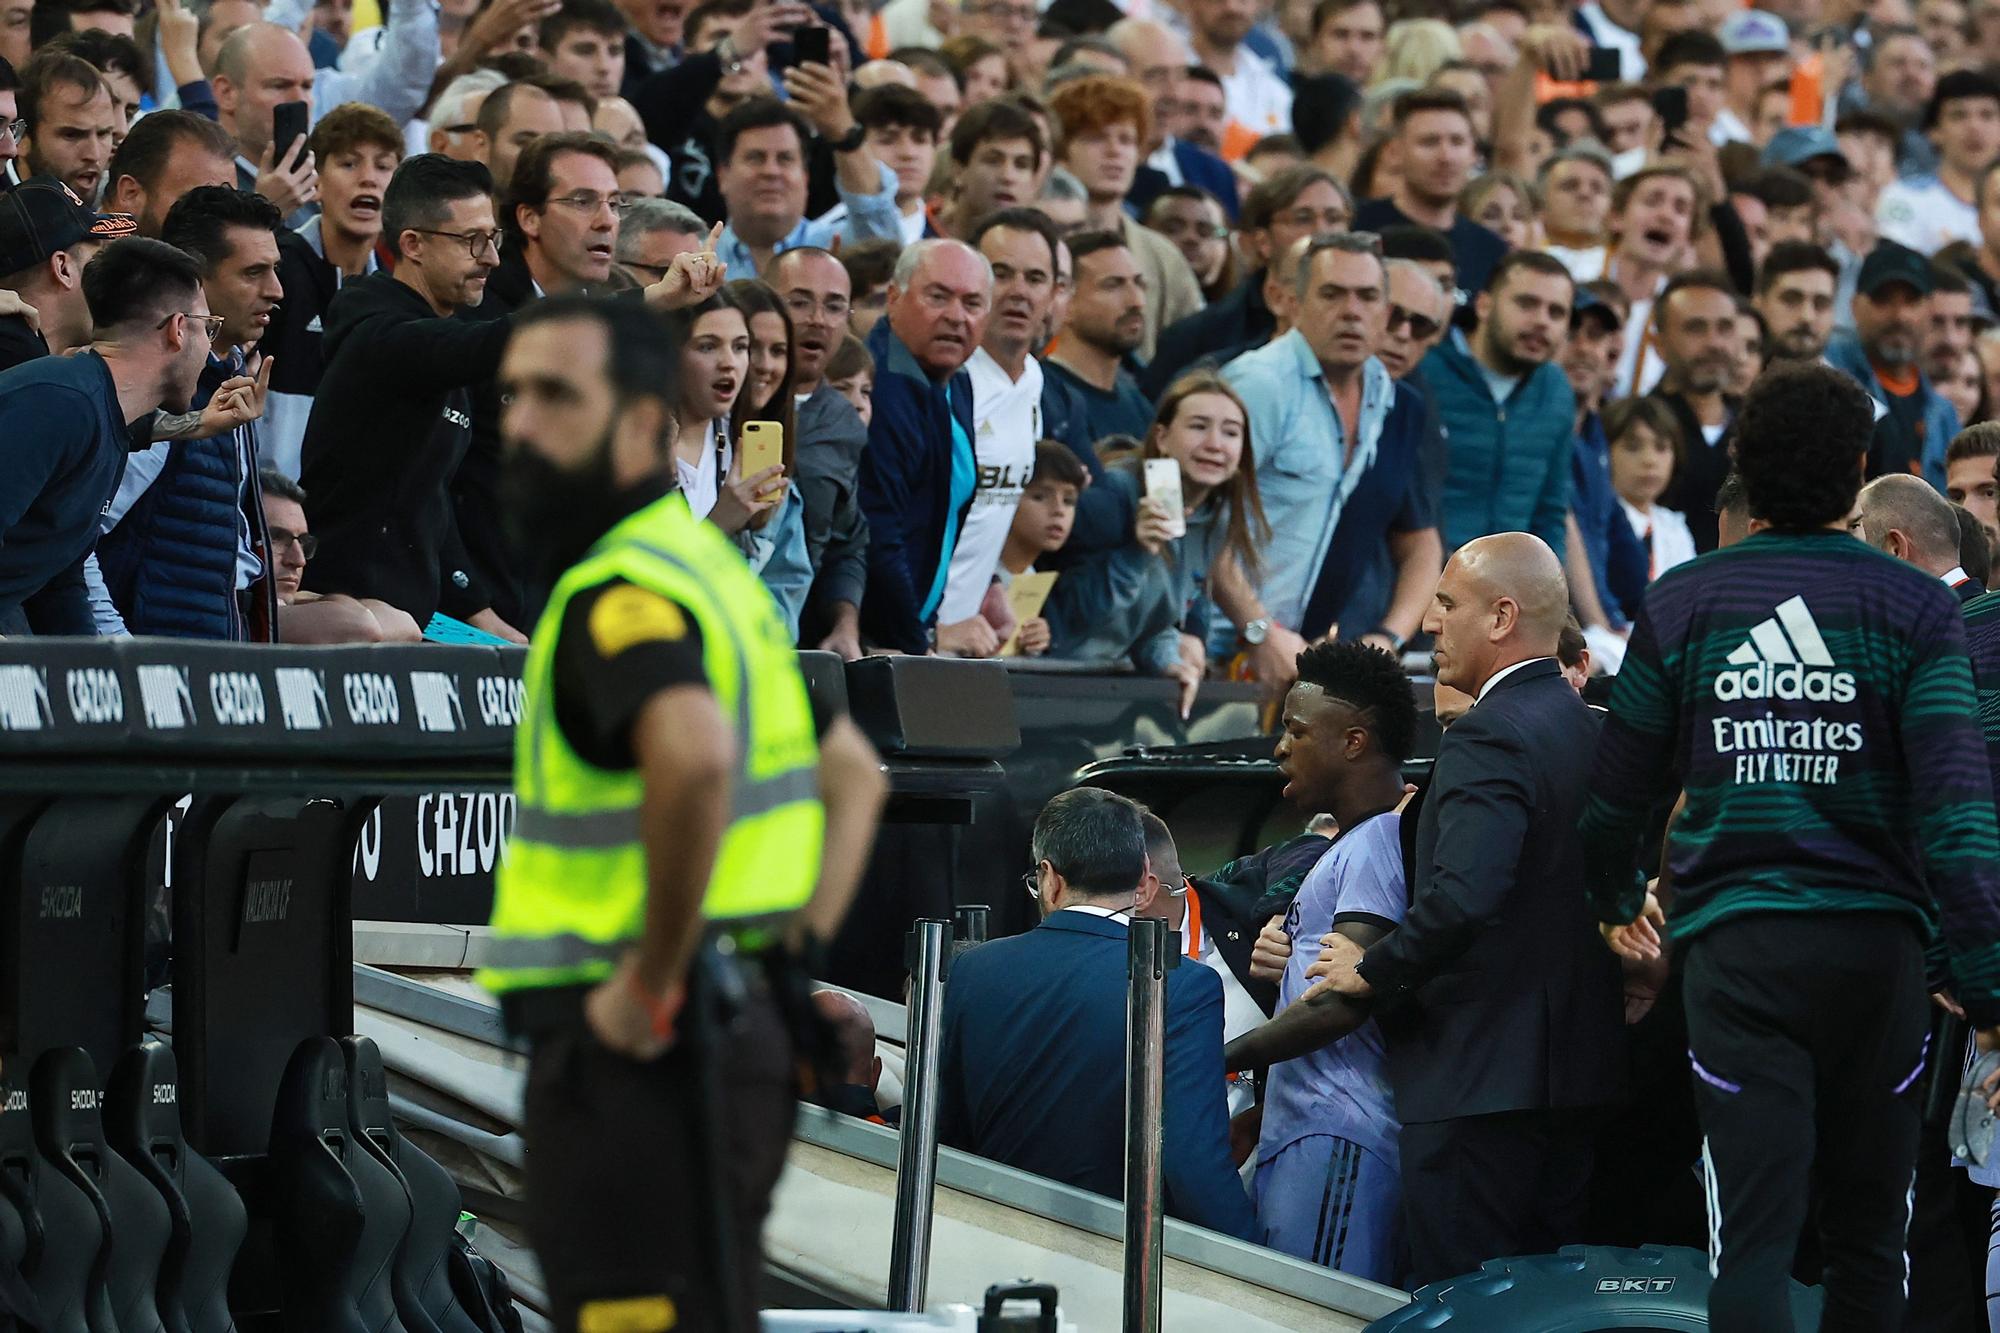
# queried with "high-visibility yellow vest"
point(570, 896)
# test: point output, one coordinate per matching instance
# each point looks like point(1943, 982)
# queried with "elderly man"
point(1354, 550)
point(1419, 311)
point(918, 475)
point(1909, 520)
point(1495, 1084)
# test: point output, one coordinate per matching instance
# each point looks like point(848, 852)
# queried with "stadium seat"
point(132, 1219)
point(424, 1296)
point(60, 1231)
point(143, 1123)
point(339, 1215)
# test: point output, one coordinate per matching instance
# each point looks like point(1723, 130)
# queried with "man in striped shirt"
point(1813, 697)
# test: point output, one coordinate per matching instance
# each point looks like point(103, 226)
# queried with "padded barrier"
point(263, 954)
point(934, 708)
point(142, 1121)
point(424, 1297)
point(131, 1215)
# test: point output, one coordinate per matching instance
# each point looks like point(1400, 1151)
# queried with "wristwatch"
point(849, 141)
point(1256, 631)
point(730, 58)
point(1395, 639)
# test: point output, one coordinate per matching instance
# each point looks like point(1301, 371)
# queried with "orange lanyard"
point(1193, 925)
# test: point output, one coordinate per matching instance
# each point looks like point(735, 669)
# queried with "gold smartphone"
point(763, 446)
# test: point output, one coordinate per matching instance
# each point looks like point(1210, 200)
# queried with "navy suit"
point(1033, 1061)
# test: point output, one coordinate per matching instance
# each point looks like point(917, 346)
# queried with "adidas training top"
point(1813, 697)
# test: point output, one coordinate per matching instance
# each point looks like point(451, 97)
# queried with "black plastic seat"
point(143, 1123)
point(424, 1296)
point(340, 1216)
point(59, 1232)
point(69, 1130)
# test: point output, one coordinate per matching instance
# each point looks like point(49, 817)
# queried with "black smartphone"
point(1671, 106)
point(288, 122)
point(1604, 66)
point(812, 46)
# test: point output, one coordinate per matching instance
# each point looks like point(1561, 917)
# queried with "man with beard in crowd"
point(1507, 408)
point(1796, 289)
point(1884, 354)
point(1698, 339)
point(69, 117)
point(1105, 326)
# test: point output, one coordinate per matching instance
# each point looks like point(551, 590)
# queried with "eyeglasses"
point(14, 129)
point(307, 542)
point(475, 241)
point(211, 325)
point(1421, 326)
point(1032, 882)
point(590, 201)
point(833, 307)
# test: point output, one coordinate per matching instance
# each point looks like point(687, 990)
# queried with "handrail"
point(916, 1164)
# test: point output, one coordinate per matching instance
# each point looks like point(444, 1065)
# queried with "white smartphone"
point(1163, 483)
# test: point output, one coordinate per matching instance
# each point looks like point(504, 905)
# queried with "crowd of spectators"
point(1178, 337)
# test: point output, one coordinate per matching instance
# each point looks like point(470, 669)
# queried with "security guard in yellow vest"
point(676, 818)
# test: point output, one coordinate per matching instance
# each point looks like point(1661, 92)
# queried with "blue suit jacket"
point(1033, 1068)
point(1199, 167)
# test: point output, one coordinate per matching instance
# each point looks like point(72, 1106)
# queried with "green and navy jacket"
point(1814, 699)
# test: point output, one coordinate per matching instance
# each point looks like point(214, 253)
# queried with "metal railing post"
point(971, 923)
point(916, 1161)
point(1145, 1032)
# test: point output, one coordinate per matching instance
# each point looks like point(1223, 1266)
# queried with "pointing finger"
point(714, 236)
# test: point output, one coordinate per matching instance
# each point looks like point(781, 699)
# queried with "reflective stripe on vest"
point(571, 895)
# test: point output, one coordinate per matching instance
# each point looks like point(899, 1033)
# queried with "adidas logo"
point(1785, 658)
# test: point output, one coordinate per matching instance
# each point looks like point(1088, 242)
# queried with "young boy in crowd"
point(1645, 448)
point(1041, 524)
point(851, 372)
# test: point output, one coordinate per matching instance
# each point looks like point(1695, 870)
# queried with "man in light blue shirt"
point(1335, 440)
point(761, 170)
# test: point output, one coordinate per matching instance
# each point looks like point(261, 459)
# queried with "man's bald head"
point(856, 1032)
point(1907, 518)
point(1502, 599)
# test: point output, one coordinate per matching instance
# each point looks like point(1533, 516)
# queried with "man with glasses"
point(307, 617)
point(651, 232)
point(1418, 313)
point(68, 422)
point(561, 216)
point(816, 290)
point(12, 127)
point(1033, 1045)
point(392, 424)
point(1355, 550)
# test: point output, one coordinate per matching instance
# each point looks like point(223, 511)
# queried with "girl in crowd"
point(1964, 387)
point(774, 538)
point(715, 365)
point(1645, 448)
point(1132, 602)
point(980, 65)
point(1503, 203)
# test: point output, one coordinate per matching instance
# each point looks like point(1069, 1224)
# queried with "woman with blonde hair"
point(1416, 49)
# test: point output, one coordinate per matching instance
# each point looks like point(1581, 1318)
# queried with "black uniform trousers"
point(1807, 1036)
point(622, 1156)
point(1493, 1186)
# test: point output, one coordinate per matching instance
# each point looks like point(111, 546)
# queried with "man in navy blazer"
point(1503, 1017)
point(1033, 1051)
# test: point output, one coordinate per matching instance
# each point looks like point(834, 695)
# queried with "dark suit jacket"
point(1199, 168)
point(1033, 1059)
point(1238, 319)
point(1968, 588)
point(1497, 993)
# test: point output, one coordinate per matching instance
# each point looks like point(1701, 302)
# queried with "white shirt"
point(1006, 423)
point(1639, 365)
point(1585, 263)
point(1122, 915)
point(1666, 529)
point(1502, 674)
point(1728, 128)
point(1258, 99)
point(1605, 33)
point(1164, 162)
point(1922, 213)
point(1240, 1013)
point(1954, 576)
point(700, 481)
